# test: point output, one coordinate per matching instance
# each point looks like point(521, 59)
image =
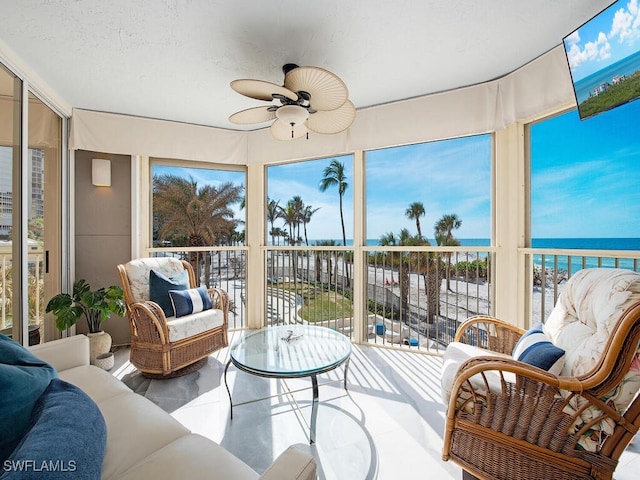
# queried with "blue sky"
point(585, 182)
point(610, 36)
point(586, 175)
point(447, 177)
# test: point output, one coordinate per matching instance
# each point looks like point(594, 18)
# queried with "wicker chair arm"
point(149, 322)
point(482, 364)
point(524, 406)
point(490, 333)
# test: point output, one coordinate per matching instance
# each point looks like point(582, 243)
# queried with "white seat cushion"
point(454, 356)
point(190, 325)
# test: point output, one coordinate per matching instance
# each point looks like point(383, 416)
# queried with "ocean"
point(554, 243)
point(560, 243)
point(626, 66)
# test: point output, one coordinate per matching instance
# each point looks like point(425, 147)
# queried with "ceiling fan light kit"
point(312, 99)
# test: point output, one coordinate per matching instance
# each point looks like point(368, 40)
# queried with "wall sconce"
point(101, 172)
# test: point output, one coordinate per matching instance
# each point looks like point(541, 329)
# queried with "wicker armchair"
point(510, 420)
point(165, 346)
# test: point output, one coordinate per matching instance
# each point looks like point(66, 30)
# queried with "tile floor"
point(387, 425)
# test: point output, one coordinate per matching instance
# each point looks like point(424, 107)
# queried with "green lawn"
point(326, 306)
point(319, 304)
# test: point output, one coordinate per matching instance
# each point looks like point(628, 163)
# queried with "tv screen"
point(604, 59)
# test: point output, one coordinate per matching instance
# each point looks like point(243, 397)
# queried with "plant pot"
point(99, 343)
point(104, 361)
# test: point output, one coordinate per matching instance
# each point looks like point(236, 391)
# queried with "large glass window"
point(311, 202)
point(584, 198)
point(584, 181)
point(438, 191)
point(197, 207)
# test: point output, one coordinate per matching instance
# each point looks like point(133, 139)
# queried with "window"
point(584, 181)
point(413, 188)
point(196, 207)
point(311, 202)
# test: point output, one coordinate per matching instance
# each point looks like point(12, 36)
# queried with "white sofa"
point(143, 441)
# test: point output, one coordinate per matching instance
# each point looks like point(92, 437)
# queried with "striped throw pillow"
point(535, 348)
point(193, 300)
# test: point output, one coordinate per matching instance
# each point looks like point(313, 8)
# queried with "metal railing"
point(35, 294)
point(415, 296)
point(221, 267)
point(551, 268)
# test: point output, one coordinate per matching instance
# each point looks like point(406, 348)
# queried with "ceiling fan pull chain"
point(292, 125)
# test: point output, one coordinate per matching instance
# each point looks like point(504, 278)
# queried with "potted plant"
point(95, 305)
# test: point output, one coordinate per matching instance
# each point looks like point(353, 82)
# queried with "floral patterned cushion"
point(138, 273)
point(581, 323)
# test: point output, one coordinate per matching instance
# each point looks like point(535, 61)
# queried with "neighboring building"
point(617, 79)
point(603, 87)
point(36, 187)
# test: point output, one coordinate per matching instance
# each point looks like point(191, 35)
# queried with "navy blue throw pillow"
point(66, 438)
point(159, 286)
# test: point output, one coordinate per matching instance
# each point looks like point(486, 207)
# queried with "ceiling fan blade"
point(282, 131)
point(252, 115)
point(261, 90)
point(327, 91)
point(332, 121)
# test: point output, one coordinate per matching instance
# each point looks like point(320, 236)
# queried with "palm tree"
point(273, 213)
point(444, 228)
point(320, 256)
point(424, 263)
point(201, 214)
point(443, 231)
point(414, 212)
point(307, 213)
point(290, 216)
point(334, 176)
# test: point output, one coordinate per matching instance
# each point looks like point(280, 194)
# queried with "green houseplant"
point(95, 305)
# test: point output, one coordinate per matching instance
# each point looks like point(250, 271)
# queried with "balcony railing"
point(35, 295)
point(415, 296)
point(551, 268)
point(222, 267)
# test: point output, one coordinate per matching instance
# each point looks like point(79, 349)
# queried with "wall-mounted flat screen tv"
point(604, 59)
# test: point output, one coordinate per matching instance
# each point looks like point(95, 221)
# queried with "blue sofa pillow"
point(193, 300)
point(159, 286)
point(535, 348)
point(23, 378)
point(66, 438)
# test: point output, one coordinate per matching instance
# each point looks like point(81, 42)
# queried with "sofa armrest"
point(64, 353)
point(292, 464)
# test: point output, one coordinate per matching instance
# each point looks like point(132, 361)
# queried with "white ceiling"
point(174, 59)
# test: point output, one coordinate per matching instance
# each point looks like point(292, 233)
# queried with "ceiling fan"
point(311, 98)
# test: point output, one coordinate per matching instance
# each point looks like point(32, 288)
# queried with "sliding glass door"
point(30, 211)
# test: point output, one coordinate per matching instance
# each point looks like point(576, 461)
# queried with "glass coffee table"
point(290, 351)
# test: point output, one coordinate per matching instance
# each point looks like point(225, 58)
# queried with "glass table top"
point(290, 350)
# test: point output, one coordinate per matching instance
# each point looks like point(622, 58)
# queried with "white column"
point(510, 225)
point(255, 240)
point(359, 239)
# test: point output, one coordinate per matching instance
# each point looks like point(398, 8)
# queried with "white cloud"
point(573, 38)
point(626, 23)
point(597, 50)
